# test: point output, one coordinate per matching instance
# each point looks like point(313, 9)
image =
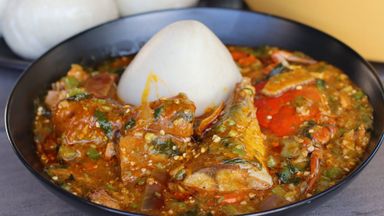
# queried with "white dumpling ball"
point(3, 3)
point(184, 57)
point(31, 27)
point(129, 7)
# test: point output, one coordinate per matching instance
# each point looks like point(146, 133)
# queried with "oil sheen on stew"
point(293, 128)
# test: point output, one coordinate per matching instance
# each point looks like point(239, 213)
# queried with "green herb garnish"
point(158, 112)
point(167, 147)
point(130, 124)
point(78, 96)
point(105, 125)
point(320, 84)
point(287, 174)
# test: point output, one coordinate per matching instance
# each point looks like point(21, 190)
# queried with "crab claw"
point(281, 56)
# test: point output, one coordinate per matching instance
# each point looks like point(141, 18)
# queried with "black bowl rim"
point(54, 186)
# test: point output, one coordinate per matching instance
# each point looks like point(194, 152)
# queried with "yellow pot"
point(360, 24)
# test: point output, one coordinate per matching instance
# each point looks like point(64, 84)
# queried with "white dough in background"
point(31, 27)
point(184, 57)
point(3, 3)
point(129, 7)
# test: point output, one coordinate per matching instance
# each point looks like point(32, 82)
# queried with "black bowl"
point(127, 35)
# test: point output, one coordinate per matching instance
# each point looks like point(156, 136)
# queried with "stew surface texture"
point(292, 128)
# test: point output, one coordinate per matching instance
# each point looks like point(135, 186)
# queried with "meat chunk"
point(101, 85)
point(159, 134)
point(103, 198)
point(87, 122)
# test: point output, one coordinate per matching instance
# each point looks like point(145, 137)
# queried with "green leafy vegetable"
point(93, 154)
point(320, 84)
point(71, 82)
point(130, 123)
point(78, 97)
point(167, 147)
point(105, 125)
point(287, 174)
point(158, 111)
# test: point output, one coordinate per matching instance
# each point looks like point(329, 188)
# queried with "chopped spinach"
point(167, 147)
point(287, 174)
point(105, 125)
point(320, 84)
point(130, 124)
point(158, 111)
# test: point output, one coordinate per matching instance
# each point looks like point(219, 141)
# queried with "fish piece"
point(232, 153)
point(283, 82)
point(206, 121)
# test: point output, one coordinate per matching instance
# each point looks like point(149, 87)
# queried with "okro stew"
point(292, 128)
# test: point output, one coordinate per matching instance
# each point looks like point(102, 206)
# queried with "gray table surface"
point(22, 194)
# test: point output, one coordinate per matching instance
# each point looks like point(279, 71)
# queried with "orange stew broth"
point(315, 126)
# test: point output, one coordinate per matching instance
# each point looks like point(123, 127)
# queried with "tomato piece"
point(276, 113)
point(247, 60)
point(285, 122)
point(237, 55)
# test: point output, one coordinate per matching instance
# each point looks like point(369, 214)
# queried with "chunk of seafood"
point(232, 154)
point(280, 56)
point(280, 83)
